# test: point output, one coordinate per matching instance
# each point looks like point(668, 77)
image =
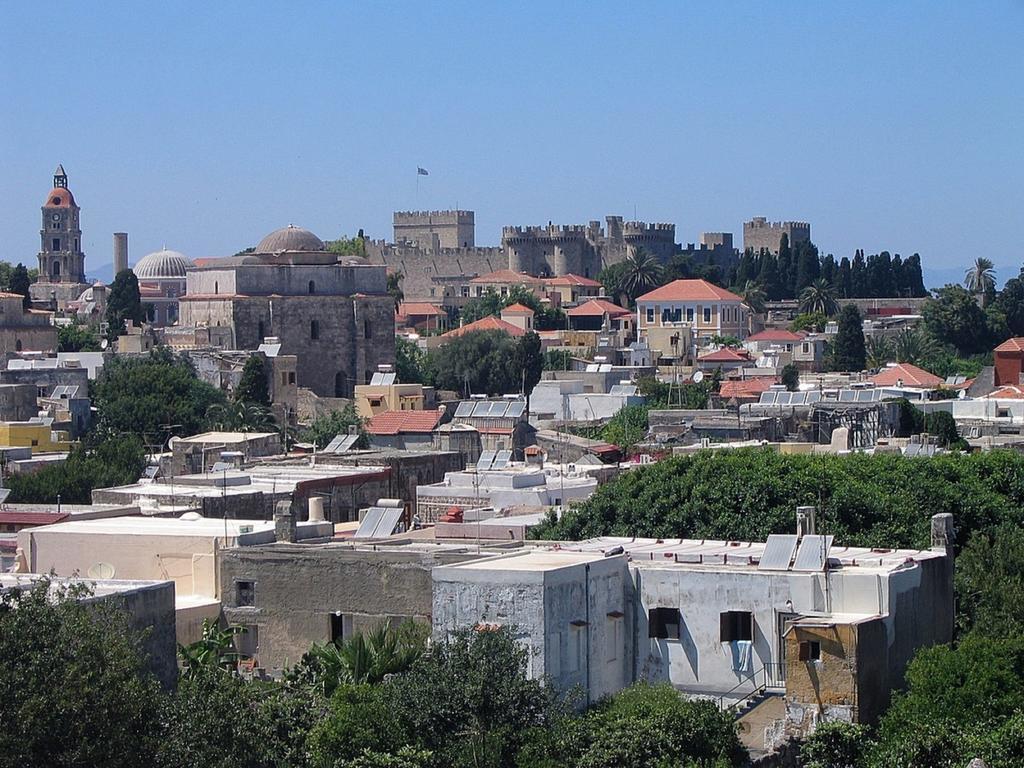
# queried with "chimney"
point(120, 252)
point(806, 519)
point(942, 532)
point(284, 522)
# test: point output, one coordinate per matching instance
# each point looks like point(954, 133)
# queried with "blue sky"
point(202, 126)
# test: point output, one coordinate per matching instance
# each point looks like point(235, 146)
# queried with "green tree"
point(790, 377)
point(529, 361)
point(770, 278)
point(844, 279)
point(146, 395)
point(241, 416)
point(111, 462)
point(642, 273)
point(1010, 303)
point(990, 583)
point(836, 744)
point(808, 267)
point(644, 725)
point(252, 386)
point(953, 317)
point(848, 350)
point(72, 684)
point(326, 428)
point(362, 723)
point(409, 362)
point(808, 322)
point(395, 288)
point(75, 337)
point(348, 246)
point(878, 351)
point(613, 278)
point(124, 304)
point(477, 362)
point(627, 427)
point(914, 346)
point(19, 283)
point(469, 695)
point(754, 297)
point(818, 298)
point(980, 278)
point(215, 650)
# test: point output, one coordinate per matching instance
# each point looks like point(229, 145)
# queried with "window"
point(810, 650)
point(56, 269)
point(245, 593)
point(707, 314)
point(341, 626)
point(17, 345)
point(291, 377)
point(575, 648)
point(650, 314)
point(736, 625)
point(366, 329)
point(689, 314)
point(76, 243)
point(806, 348)
point(56, 243)
point(216, 287)
point(312, 287)
point(663, 623)
point(1002, 413)
point(314, 329)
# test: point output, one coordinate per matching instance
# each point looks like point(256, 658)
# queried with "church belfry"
point(60, 252)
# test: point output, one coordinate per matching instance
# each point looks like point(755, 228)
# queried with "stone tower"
point(60, 254)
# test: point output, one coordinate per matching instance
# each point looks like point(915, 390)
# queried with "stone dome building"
point(290, 239)
point(161, 276)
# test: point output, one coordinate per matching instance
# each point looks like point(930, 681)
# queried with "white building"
point(832, 628)
point(567, 400)
point(514, 486)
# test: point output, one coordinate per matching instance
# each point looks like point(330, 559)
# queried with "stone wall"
point(759, 233)
point(299, 588)
point(423, 271)
point(432, 230)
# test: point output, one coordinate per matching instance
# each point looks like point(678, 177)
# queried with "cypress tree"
point(848, 350)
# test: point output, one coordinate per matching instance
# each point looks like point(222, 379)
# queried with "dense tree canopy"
point(746, 494)
point(545, 317)
point(340, 422)
point(253, 387)
point(124, 304)
point(152, 396)
point(486, 362)
point(954, 317)
point(848, 349)
point(75, 337)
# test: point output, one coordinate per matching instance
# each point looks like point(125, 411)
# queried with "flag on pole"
point(421, 171)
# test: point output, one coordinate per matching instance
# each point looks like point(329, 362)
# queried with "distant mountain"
point(103, 273)
point(936, 277)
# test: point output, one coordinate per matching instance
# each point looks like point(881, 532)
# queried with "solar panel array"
point(379, 522)
point(486, 459)
point(860, 395)
point(383, 379)
point(780, 397)
point(490, 409)
point(626, 390)
point(65, 391)
point(341, 444)
point(778, 552)
point(501, 461)
point(917, 449)
point(813, 553)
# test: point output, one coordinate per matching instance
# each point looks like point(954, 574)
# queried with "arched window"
point(339, 384)
point(56, 269)
point(312, 287)
point(314, 329)
point(17, 345)
point(216, 287)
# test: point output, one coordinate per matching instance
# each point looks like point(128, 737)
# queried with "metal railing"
point(770, 675)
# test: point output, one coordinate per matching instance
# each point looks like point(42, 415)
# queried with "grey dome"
point(162, 264)
point(290, 238)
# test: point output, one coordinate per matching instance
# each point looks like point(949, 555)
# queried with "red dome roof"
point(59, 198)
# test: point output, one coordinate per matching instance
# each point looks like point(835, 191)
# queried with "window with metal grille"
point(245, 593)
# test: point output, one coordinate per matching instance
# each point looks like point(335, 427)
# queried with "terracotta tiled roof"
point(745, 387)
point(776, 334)
point(517, 309)
point(725, 355)
point(690, 290)
point(9, 517)
point(1012, 345)
point(571, 279)
point(508, 276)
point(60, 198)
point(1008, 392)
point(397, 422)
point(489, 323)
point(910, 375)
point(408, 308)
point(597, 308)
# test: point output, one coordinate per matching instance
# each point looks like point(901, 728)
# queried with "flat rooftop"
point(537, 560)
point(746, 555)
point(193, 525)
point(225, 437)
point(99, 587)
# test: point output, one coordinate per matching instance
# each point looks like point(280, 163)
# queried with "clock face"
point(56, 217)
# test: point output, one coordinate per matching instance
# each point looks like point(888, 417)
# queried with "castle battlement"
point(436, 217)
point(642, 228)
point(760, 222)
point(550, 231)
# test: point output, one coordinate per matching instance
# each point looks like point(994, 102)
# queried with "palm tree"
point(395, 288)
point(754, 297)
point(980, 278)
point(215, 649)
point(819, 297)
point(879, 351)
point(241, 417)
point(361, 659)
point(643, 272)
point(914, 346)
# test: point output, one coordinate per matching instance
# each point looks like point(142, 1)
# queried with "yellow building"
point(35, 435)
point(383, 393)
point(676, 316)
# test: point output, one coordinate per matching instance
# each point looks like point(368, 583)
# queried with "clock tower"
point(60, 255)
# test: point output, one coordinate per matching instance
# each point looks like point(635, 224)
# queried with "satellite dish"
point(100, 571)
point(698, 377)
point(172, 442)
